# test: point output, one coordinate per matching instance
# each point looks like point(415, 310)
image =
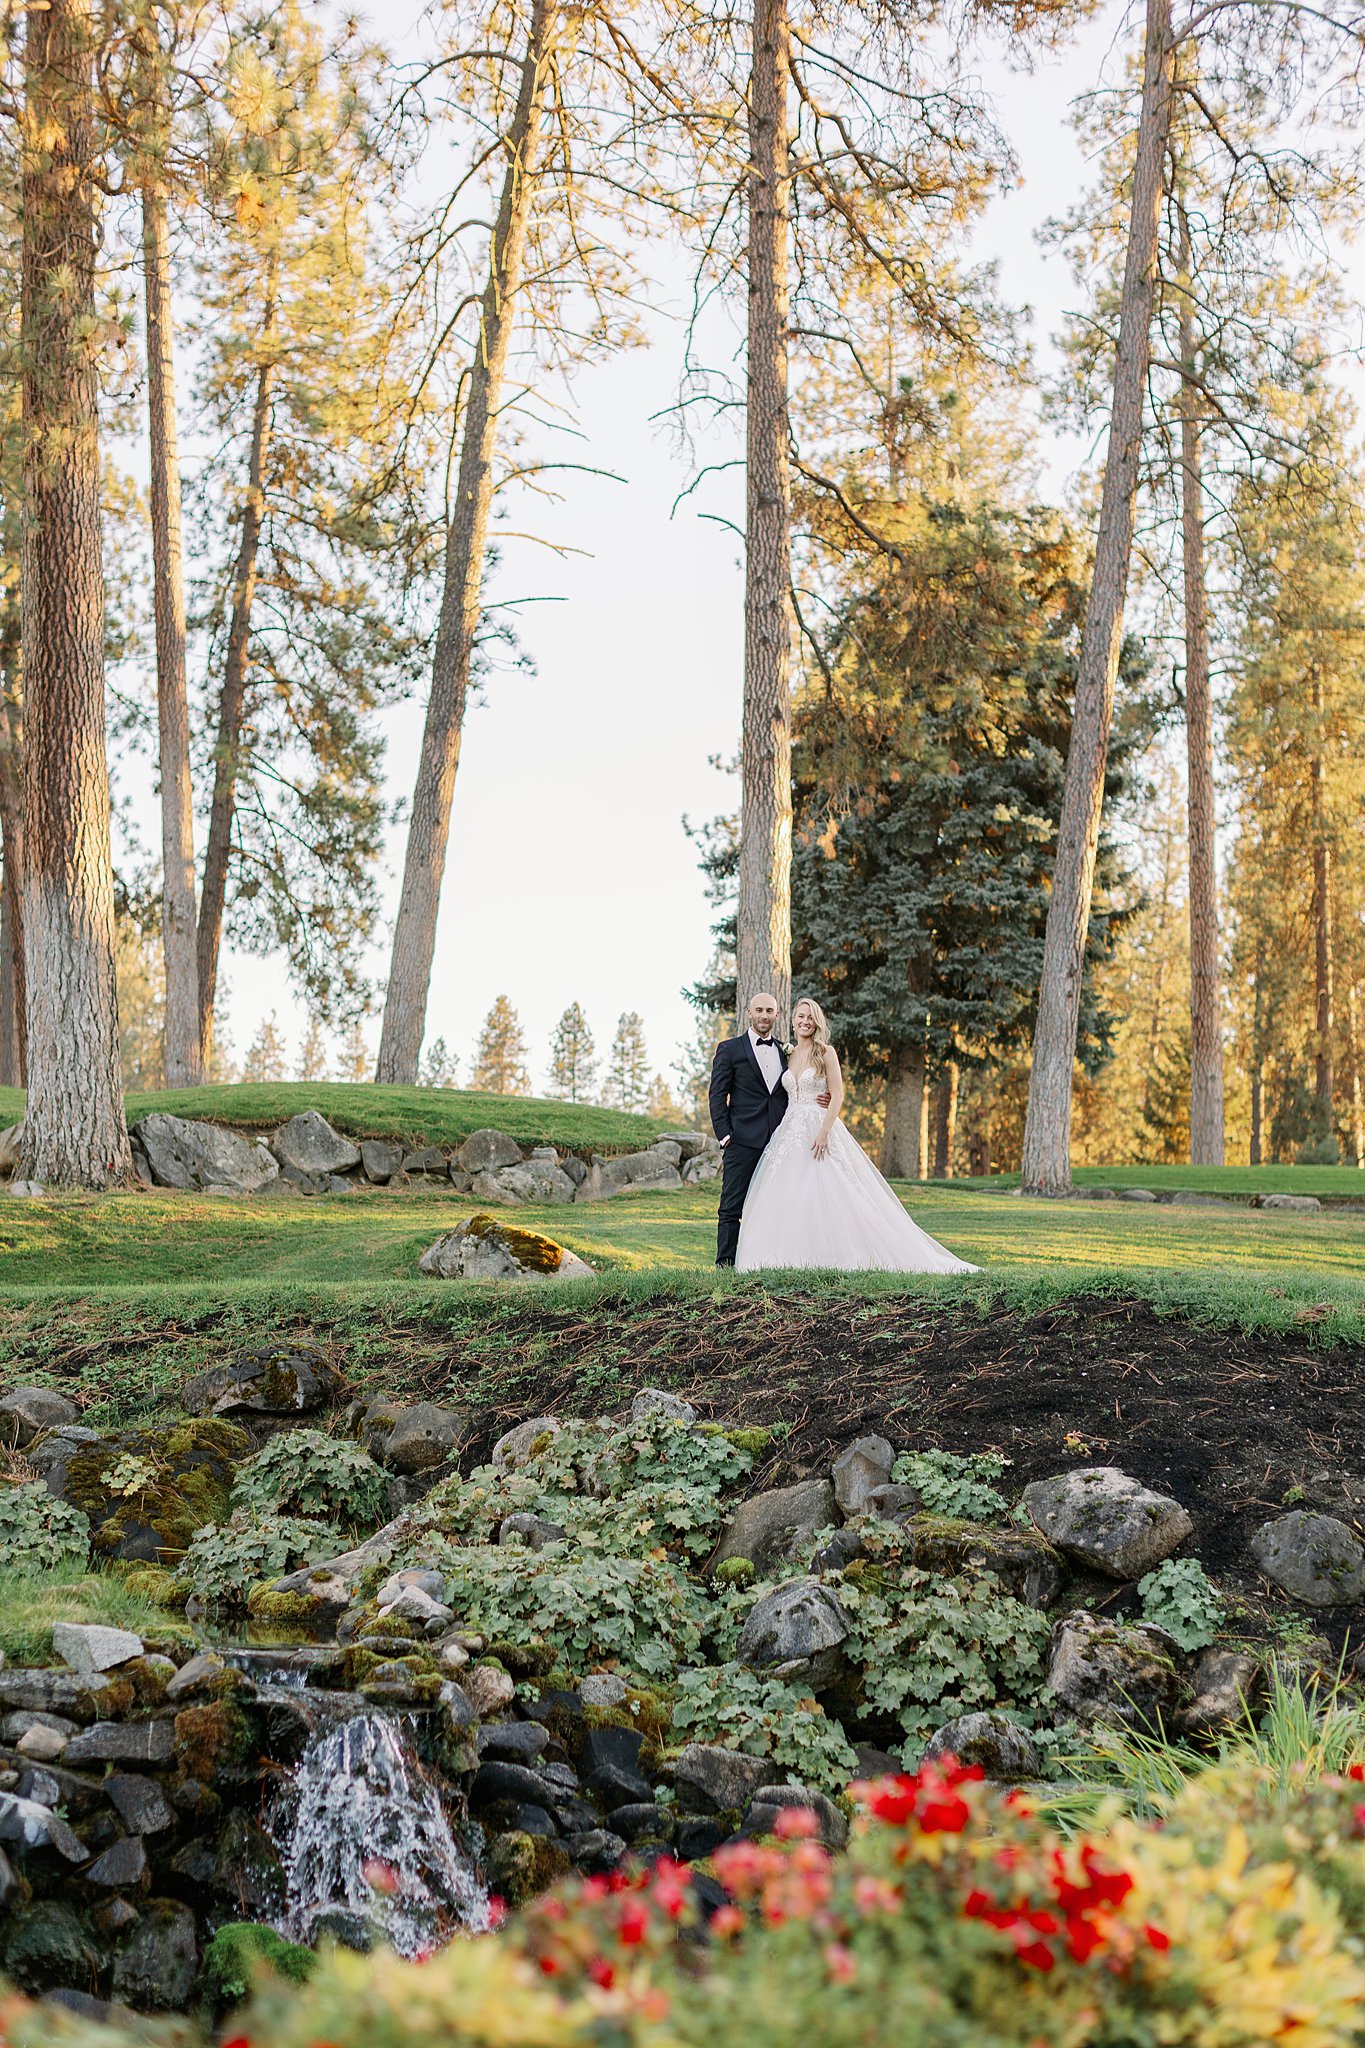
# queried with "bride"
point(816, 1199)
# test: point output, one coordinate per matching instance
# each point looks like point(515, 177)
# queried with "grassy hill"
point(426, 1116)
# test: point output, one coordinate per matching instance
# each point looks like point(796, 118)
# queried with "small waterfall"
point(363, 1838)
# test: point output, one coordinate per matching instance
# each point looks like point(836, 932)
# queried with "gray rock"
point(483, 1249)
point(797, 1632)
point(489, 1690)
point(893, 1503)
point(27, 1824)
point(423, 1437)
point(536, 1182)
point(575, 1167)
point(87, 1647)
point(1022, 1560)
point(185, 1154)
point(858, 1471)
point(691, 1144)
point(123, 1864)
point(667, 1149)
point(486, 1151)
point(25, 1412)
point(27, 1190)
point(413, 1578)
point(1225, 1684)
point(710, 1779)
point(1113, 1673)
point(15, 1726)
point(46, 1947)
point(308, 1144)
point(156, 1971)
point(40, 1744)
point(633, 1172)
point(771, 1528)
point(380, 1160)
point(1002, 1748)
point(512, 1742)
point(1305, 1203)
point(1185, 1198)
point(601, 1689)
point(197, 1674)
point(704, 1167)
point(595, 1851)
point(1313, 1558)
point(1136, 1195)
point(139, 1803)
point(1103, 1519)
point(271, 1380)
point(770, 1800)
point(657, 1401)
point(412, 1604)
point(535, 1531)
point(518, 1446)
point(51, 1454)
point(123, 1742)
point(50, 1692)
point(427, 1159)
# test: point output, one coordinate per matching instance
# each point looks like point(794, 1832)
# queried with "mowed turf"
point(78, 1242)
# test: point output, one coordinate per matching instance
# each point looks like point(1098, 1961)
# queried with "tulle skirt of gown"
point(835, 1212)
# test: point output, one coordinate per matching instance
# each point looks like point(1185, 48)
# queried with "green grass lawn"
point(427, 1116)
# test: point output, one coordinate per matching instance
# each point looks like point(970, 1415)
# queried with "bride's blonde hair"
point(819, 1045)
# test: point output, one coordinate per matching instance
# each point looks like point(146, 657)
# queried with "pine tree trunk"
point(1321, 914)
point(763, 949)
point(232, 700)
point(13, 1021)
point(183, 1030)
point(1047, 1129)
point(1257, 1061)
point(74, 1130)
point(1206, 1029)
point(1357, 1086)
point(414, 936)
point(901, 1156)
point(945, 1122)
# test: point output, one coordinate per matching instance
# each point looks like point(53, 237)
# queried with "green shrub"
point(950, 1485)
point(1179, 1597)
point(38, 1532)
point(730, 1704)
point(305, 1472)
point(225, 1559)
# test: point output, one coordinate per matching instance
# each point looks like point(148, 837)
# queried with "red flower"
point(1157, 1938)
point(601, 1972)
point(548, 1965)
point(238, 2041)
point(1037, 1955)
point(633, 1923)
point(893, 1800)
point(1356, 1771)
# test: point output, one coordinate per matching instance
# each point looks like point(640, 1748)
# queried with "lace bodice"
point(802, 1088)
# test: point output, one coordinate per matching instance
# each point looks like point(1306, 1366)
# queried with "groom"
point(748, 1102)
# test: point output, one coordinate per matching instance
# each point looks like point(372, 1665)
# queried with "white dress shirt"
point(769, 1060)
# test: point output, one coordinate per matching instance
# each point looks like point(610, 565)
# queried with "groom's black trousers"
point(736, 1173)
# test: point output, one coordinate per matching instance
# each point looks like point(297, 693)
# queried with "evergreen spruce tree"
point(628, 1067)
point(267, 1058)
point(500, 1061)
point(573, 1057)
point(439, 1068)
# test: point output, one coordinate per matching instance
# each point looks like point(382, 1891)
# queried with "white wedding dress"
point(835, 1212)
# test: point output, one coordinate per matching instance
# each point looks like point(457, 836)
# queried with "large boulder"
point(1022, 1560)
point(519, 1445)
point(771, 1528)
point(1107, 1521)
point(185, 1154)
point(486, 1249)
point(25, 1412)
point(770, 1801)
point(1114, 1673)
point(415, 1439)
point(1000, 1746)
point(1299, 1203)
point(710, 1779)
point(88, 1647)
point(486, 1151)
point(308, 1144)
point(633, 1172)
point(155, 1972)
point(536, 1181)
point(1225, 1685)
point(274, 1379)
point(380, 1160)
point(859, 1469)
point(146, 1491)
point(797, 1632)
point(690, 1144)
point(1313, 1558)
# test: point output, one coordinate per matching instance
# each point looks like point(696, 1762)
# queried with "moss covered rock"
point(519, 1866)
point(238, 1955)
point(146, 1491)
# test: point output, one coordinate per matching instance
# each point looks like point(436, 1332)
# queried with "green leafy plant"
point(305, 1472)
point(226, 1559)
point(38, 1532)
point(591, 1605)
point(730, 1704)
point(130, 1476)
point(951, 1485)
point(1179, 1597)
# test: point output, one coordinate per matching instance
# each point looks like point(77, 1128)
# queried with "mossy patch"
point(238, 1955)
point(538, 1254)
point(519, 1866)
point(145, 1492)
point(215, 1736)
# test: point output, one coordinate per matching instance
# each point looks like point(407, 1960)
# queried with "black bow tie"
point(765, 1041)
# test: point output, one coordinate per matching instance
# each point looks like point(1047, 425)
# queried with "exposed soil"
point(1236, 1427)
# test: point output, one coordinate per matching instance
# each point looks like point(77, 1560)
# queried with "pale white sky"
point(570, 877)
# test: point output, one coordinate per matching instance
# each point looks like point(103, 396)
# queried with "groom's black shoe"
point(725, 1262)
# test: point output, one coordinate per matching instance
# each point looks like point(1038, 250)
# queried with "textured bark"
point(183, 1031)
point(1321, 914)
point(414, 936)
point(945, 1122)
point(1047, 1129)
point(1206, 1027)
point(232, 701)
point(13, 1022)
point(1357, 1084)
point(763, 945)
point(901, 1157)
point(75, 1133)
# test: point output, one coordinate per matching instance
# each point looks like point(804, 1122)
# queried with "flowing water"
point(366, 1844)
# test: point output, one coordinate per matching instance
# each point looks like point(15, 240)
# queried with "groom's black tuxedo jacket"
point(742, 1106)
